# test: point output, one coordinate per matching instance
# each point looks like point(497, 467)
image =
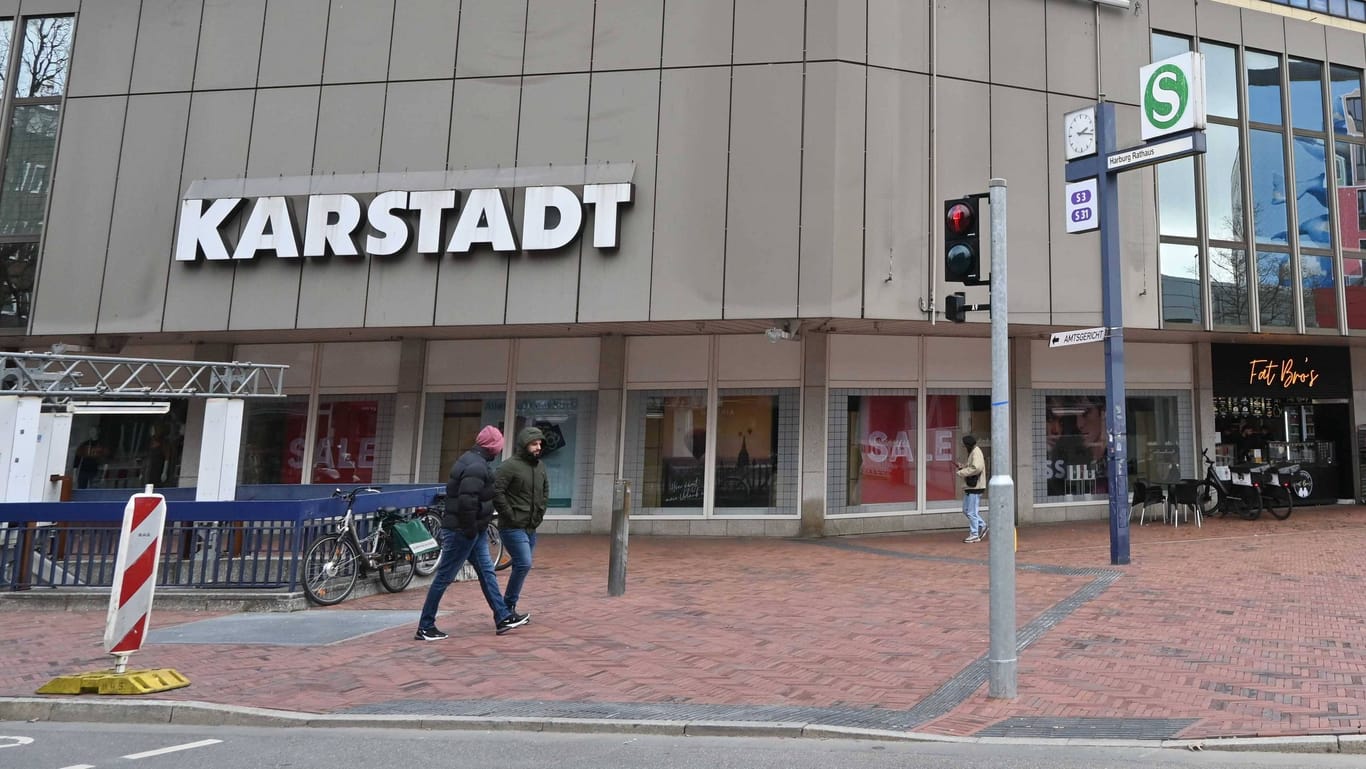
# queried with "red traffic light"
point(960, 220)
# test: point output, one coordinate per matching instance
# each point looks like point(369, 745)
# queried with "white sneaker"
point(973, 538)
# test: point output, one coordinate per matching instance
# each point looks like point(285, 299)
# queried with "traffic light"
point(962, 254)
point(956, 307)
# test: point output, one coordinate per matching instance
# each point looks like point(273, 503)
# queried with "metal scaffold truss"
point(60, 378)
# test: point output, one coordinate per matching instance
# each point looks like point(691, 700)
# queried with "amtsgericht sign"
point(338, 224)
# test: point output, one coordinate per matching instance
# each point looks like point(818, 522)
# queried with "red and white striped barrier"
point(135, 574)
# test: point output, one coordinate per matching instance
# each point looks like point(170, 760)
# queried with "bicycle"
point(1263, 490)
point(432, 520)
point(332, 563)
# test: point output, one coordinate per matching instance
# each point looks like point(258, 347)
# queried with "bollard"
point(621, 525)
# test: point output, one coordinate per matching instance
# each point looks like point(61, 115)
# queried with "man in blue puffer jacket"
point(464, 537)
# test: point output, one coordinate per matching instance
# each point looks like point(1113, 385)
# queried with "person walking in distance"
point(973, 486)
point(521, 491)
point(464, 536)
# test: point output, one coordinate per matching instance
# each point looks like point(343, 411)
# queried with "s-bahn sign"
point(1173, 95)
point(451, 221)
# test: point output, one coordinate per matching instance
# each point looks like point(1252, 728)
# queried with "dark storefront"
point(1287, 404)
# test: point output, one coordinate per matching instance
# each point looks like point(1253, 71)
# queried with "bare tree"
point(47, 51)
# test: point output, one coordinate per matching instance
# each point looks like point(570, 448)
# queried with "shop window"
point(272, 440)
point(355, 436)
point(757, 446)
point(665, 451)
point(450, 423)
point(128, 451)
point(947, 419)
point(568, 421)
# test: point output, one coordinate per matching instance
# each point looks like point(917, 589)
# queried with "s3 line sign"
point(450, 221)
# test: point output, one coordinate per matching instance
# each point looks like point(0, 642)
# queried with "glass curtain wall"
point(1349, 171)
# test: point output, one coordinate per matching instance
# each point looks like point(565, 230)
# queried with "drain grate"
point(1095, 728)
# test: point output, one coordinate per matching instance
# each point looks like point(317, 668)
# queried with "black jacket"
point(521, 490)
point(469, 493)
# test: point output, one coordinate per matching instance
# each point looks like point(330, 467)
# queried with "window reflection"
point(1263, 87)
point(1311, 193)
point(1319, 291)
point(1221, 80)
point(1224, 183)
point(1354, 285)
point(47, 51)
point(1176, 198)
point(1344, 89)
point(1166, 46)
point(1306, 94)
point(1275, 288)
point(1180, 267)
point(1268, 187)
point(1351, 196)
point(23, 197)
point(17, 261)
point(1228, 273)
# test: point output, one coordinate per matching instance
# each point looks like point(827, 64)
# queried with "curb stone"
point(191, 713)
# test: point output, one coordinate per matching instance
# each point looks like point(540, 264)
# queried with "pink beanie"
point(490, 438)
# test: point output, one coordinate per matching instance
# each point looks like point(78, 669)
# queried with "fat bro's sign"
point(442, 221)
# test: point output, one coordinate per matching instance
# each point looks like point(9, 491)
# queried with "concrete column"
point(815, 425)
point(1203, 407)
point(607, 439)
point(1023, 428)
point(412, 368)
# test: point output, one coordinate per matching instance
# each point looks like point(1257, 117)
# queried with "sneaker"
point(512, 609)
point(429, 634)
point(973, 538)
point(983, 535)
point(511, 621)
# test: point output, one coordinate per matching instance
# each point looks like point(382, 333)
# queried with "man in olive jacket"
point(521, 491)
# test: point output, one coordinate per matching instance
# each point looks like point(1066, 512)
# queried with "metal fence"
point(253, 544)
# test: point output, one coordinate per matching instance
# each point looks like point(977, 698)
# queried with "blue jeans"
point(970, 504)
point(519, 543)
point(456, 549)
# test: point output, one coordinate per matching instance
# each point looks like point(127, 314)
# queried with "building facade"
point(697, 242)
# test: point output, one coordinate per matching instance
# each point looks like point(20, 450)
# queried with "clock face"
point(1080, 133)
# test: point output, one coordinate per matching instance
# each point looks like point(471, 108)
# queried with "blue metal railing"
point(245, 543)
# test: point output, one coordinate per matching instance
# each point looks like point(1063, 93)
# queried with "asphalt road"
point(46, 745)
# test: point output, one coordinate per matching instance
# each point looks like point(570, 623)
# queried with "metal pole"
point(1001, 487)
point(621, 526)
point(1112, 313)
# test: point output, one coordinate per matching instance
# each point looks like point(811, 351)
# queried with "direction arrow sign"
point(1065, 338)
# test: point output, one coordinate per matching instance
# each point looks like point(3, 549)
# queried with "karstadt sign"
point(338, 224)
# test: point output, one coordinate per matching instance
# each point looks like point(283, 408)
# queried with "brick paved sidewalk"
point(1234, 629)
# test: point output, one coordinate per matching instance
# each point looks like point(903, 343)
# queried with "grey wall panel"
point(359, 33)
point(425, 33)
point(265, 292)
point(67, 296)
point(1346, 47)
point(102, 54)
point(142, 231)
point(492, 38)
point(896, 244)
point(1215, 21)
point(763, 214)
point(964, 36)
point(559, 36)
point(1074, 260)
point(1072, 48)
point(690, 194)
point(198, 295)
point(831, 269)
point(417, 116)
point(292, 47)
point(472, 288)
point(899, 34)
point(768, 31)
point(1125, 43)
point(36, 7)
point(332, 291)
point(1019, 129)
point(1022, 62)
point(168, 34)
point(1264, 30)
point(627, 34)
point(836, 30)
point(698, 32)
point(542, 287)
point(1305, 38)
point(229, 44)
point(622, 126)
point(417, 121)
point(1173, 15)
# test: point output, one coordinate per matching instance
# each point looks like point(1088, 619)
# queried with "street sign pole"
point(1112, 315)
point(1004, 653)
